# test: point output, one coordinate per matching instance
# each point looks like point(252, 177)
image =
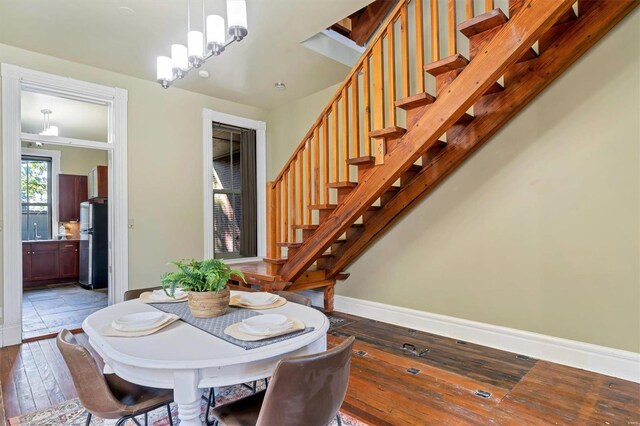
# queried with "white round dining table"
point(188, 360)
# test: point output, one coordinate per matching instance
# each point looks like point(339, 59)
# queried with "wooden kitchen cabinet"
point(72, 190)
point(98, 182)
point(45, 262)
point(69, 259)
point(49, 262)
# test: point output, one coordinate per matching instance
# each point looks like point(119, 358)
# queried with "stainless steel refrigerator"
point(94, 245)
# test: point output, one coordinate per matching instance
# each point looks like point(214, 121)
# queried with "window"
point(234, 192)
point(35, 194)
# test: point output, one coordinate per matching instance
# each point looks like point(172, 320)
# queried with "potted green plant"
point(205, 282)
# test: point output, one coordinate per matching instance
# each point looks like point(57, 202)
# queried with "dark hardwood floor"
point(431, 380)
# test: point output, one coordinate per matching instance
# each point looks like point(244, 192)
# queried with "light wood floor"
point(392, 385)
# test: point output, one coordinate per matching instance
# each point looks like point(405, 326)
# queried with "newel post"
point(272, 248)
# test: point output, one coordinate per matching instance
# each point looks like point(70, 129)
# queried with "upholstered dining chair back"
point(294, 297)
point(90, 383)
point(307, 390)
point(134, 294)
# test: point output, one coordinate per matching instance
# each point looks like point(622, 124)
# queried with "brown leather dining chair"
point(107, 395)
point(294, 297)
point(134, 294)
point(304, 391)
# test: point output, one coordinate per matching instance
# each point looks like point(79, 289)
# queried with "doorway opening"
point(64, 235)
point(64, 201)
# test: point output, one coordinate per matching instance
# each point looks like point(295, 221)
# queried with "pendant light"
point(202, 45)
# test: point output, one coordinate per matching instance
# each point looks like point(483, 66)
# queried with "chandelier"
point(202, 45)
point(47, 128)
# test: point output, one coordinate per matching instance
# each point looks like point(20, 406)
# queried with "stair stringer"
point(509, 44)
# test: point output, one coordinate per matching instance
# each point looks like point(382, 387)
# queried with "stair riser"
point(414, 114)
point(362, 169)
point(407, 177)
point(392, 143)
point(291, 251)
point(342, 194)
point(324, 214)
point(307, 233)
point(386, 197)
point(432, 153)
point(325, 263)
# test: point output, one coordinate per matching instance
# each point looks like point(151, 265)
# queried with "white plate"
point(139, 321)
point(257, 299)
point(160, 295)
point(265, 324)
point(265, 331)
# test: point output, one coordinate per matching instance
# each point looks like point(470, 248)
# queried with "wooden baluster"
point(367, 107)
point(285, 206)
point(488, 5)
point(278, 214)
point(307, 182)
point(292, 189)
point(344, 125)
point(335, 175)
point(299, 211)
point(391, 67)
point(435, 32)
point(355, 114)
point(325, 153)
point(272, 248)
point(316, 166)
point(469, 10)
point(378, 87)
point(451, 27)
point(419, 46)
point(404, 52)
point(292, 200)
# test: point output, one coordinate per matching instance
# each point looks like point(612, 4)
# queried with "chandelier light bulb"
point(237, 17)
point(195, 45)
point(215, 32)
point(179, 57)
point(164, 68)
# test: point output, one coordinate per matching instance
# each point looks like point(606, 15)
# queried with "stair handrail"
point(380, 32)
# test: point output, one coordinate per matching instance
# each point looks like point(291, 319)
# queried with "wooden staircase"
point(374, 153)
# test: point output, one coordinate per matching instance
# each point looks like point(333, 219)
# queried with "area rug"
point(72, 413)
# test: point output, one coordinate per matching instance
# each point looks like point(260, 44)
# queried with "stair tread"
point(361, 160)
point(278, 261)
point(345, 184)
point(333, 206)
point(450, 63)
point(415, 101)
point(323, 206)
point(289, 245)
point(388, 132)
point(304, 226)
point(482, 23)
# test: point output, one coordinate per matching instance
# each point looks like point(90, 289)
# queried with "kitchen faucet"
point(35, 231)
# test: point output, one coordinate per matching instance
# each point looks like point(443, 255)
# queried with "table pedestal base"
point(188, 397)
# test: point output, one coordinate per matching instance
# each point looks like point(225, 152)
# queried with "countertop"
point(49, 241)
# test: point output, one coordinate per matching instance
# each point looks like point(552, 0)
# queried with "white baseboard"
point(600, 359)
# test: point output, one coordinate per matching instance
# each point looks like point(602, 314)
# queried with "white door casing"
point(14, 80)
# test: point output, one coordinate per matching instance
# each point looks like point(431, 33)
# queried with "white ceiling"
point(75, 119)
point(95, 33)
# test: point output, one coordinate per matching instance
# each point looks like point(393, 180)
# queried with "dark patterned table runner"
point(216, 326)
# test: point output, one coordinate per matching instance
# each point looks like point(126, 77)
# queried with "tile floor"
point(48, 310)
